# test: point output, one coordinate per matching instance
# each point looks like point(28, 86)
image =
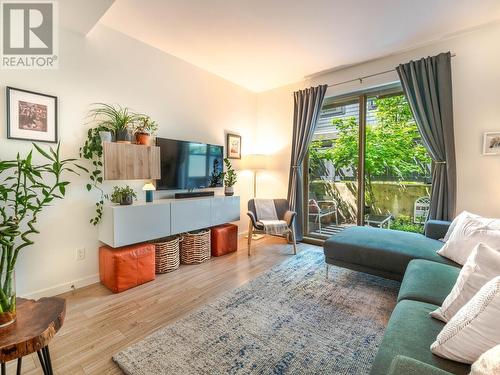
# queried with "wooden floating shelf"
point(124, 161)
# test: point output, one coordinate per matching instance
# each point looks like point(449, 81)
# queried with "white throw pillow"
point(482, 265)
point(467, 234)
point(475, 327)
point(488, 363)
point(457, 223)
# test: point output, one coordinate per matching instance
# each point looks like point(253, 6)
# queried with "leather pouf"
point(126, 267)
point(224, 239)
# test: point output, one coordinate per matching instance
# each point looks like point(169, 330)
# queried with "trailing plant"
point(26, 188)
point(145, 125)
point(230, 176)
point(92, 150)
point(121, 193)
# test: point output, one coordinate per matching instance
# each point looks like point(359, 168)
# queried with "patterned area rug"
point(290, 320)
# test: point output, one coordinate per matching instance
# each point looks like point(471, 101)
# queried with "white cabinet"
point(140, 222)
point(190, 214)
point(225, 210)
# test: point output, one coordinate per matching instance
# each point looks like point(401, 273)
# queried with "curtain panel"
point(307, 107)
point(427, 85)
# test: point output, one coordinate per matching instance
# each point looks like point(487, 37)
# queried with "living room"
point(272, 258)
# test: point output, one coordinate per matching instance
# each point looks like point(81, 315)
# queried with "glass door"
point(333, 169)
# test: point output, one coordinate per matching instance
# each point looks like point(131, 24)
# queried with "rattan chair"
point(283, 213)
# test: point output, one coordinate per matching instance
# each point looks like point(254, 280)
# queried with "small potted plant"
point(117, 119)
point(230, 178)
point(144, 129)
point(124, 196)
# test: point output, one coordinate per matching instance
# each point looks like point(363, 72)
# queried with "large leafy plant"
point(26, 188)
point(114, 117)
point(230, 176)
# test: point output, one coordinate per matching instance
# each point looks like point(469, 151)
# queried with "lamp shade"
point(148, 187)
point(254, 162)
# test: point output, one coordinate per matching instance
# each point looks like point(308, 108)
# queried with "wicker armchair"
point(283, 213)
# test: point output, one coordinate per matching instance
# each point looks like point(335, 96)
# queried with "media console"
point(126, 225)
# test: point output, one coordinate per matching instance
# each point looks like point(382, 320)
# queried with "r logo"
point(27, 29)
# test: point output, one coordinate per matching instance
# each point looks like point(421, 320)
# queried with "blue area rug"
point(290, 320)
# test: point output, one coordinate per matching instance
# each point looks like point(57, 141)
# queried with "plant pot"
point(127, 200)
point(142, 138)
point(105, 136)
point(123, 136)
point(229, 191)
point(8, 300)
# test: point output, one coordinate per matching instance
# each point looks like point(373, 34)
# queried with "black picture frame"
point(229, 154)
point(53, 138)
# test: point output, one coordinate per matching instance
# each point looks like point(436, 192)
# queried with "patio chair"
point(282, 212)
point(321, 209)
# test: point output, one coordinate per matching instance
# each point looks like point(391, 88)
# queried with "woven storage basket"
point(195, 247)
point(167, 254)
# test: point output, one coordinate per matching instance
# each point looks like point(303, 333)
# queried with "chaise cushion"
point(428, 281)
point(388, 251)
point(410, 333)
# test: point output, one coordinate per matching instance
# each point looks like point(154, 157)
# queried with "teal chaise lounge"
point(427, 278)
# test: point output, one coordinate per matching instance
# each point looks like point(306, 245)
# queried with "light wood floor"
point(99, 323)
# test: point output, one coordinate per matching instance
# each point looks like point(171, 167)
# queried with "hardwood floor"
point(99, 323)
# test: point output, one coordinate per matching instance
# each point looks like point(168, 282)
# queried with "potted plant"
point(26, 189)
point(123, 196)
point(120, 120)
point(144, 129)
point(230, 178)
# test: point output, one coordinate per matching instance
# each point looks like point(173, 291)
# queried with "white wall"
point(106, 66)
point(476, 97)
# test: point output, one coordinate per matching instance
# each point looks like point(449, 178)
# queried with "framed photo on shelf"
point(233, 146)
point(491, 143)
point(31, 116)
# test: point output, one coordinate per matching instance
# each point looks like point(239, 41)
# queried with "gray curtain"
point(307, 106)
point(427, 86)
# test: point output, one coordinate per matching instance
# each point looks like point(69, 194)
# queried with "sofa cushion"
point(427, 281)
point(410, 333)
point(386, 250)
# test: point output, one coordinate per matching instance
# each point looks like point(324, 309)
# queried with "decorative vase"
point(105, 136)
point(142, 138)
point(127, 200)
point(123, 136)
point(8, 298)
point(229, 191)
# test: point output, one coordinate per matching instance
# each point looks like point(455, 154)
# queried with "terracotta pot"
point(142, 138)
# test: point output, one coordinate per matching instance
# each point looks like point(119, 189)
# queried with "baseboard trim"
point(63, 288)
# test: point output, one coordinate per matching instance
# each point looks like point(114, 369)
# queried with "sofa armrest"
point(289, 216)
point(409, 366)
point(436, 229)
point(252, 219)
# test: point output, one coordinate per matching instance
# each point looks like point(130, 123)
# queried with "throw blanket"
point(267, 216)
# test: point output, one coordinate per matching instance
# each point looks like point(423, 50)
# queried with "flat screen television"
point(189, 165)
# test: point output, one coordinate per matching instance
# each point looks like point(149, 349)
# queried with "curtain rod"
point(360, 79)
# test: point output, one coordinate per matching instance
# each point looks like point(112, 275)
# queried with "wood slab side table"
point(36, 324)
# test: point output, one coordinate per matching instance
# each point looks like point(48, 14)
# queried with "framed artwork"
point(491, 143)
point(233, 146)
point(31, 116)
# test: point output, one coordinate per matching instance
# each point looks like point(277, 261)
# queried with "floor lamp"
point(255, 163)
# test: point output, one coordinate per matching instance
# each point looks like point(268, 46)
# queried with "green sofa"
point(426, 280)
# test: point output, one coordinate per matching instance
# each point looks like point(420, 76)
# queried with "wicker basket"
point(195, 247)
point(167, 254)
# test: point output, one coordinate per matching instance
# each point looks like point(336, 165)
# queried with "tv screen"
point(187, 165)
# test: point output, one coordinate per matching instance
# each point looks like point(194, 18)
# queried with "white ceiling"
point(262, 44)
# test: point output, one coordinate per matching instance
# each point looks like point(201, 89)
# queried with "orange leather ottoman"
point(125, 267)
point(224, 239)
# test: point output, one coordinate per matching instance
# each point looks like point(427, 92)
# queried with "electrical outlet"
point(80, 254)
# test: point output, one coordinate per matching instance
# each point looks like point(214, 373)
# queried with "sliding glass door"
point(369, 137)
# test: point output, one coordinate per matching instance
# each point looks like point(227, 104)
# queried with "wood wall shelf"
point(124, 161)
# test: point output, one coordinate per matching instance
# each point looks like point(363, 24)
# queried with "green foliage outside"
point(393, 146)
point(406, 224)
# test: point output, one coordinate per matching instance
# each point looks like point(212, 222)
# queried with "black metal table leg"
point(19, 365)
point(44, 358)
point(48, 362)
point(3, 369)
